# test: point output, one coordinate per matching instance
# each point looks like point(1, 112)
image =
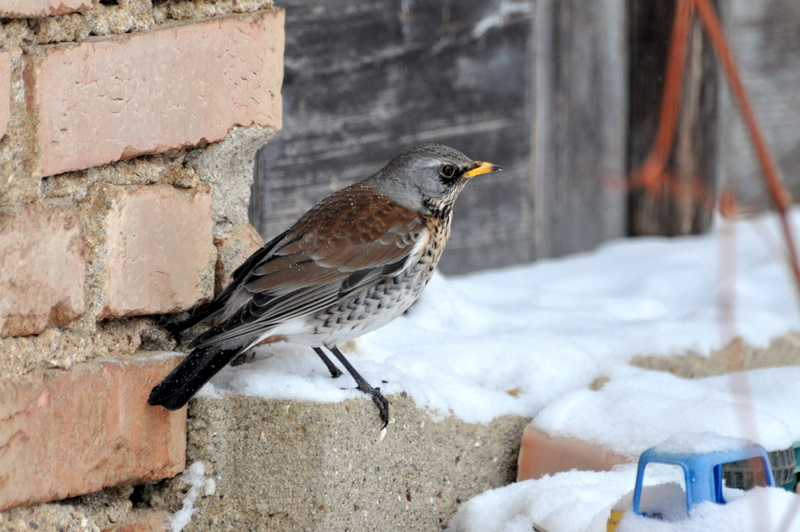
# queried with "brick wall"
point(127, 136)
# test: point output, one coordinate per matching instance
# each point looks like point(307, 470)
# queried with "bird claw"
point(361, 383)
point(383, 405)
point(379, 400)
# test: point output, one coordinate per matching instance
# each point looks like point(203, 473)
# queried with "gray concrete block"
point(290, 465)
point(228, 167)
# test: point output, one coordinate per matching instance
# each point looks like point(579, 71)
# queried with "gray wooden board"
point(695, 157)
point(580, 123)
point(366, 79)
point(765, 37)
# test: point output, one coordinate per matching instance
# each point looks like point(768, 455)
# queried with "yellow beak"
point(481, 167)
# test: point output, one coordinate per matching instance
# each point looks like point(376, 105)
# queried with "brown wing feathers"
point(302, 275)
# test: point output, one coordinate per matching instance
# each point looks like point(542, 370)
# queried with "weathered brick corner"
point(64, 433)
point(43, 268)
point(127, 137)
point(107, 100)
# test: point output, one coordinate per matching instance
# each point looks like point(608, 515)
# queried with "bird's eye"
point(447, 170)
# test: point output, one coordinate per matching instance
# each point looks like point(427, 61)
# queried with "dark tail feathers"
point(185, 380)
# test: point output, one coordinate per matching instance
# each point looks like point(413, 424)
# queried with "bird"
point(351, 264)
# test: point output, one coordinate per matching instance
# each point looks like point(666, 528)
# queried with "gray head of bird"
point(428, 177)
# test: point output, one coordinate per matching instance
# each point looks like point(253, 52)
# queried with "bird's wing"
point(215, 307)
point(347, 241)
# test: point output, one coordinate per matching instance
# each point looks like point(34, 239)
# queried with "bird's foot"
point(361, 383)
point(334, 371)
point(244, 358)
point(380, 401)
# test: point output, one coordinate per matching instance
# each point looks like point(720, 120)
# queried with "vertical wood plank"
point(685, 205)
point(580, 124)
point(538, 86)
point(765, 38)
point(368, 78)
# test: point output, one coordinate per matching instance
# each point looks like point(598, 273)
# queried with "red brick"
point(5, 91)
point(42, 268)
point(160, 251)
point(65, 433)
point(542, 454)
point(41, 8)
point(179, 86)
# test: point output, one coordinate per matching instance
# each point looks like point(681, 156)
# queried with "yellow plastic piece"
point(613, 520)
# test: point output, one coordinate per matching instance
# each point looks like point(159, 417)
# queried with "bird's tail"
point(185, 380)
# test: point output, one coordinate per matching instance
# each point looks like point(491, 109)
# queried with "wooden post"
point(580, 97)
point(684, 205)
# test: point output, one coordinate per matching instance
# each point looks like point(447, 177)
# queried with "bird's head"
point(428, 177)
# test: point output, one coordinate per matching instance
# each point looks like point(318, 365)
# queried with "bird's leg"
point(364, 386)
point(335, 372)
point(244, 358)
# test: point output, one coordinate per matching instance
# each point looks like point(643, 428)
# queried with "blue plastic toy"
point(702, 471)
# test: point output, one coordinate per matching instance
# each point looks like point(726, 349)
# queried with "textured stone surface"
point(41, 8)
point(141, 521)
point(290, 465)
point(65, 433)
point(227, 167)
point(160, 251)
point(736, 356)
point(42, 267)
point(5, 91)
point(208, 77)
point(60, 517)
point(108, 511)
point(233, 249)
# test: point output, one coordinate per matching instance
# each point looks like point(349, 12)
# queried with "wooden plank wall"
point(685, 204)
point(367, 78)
point(516, 82)
point(580, 117)
point(765, 36)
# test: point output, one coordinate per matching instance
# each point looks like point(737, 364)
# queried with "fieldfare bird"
point(350, 265)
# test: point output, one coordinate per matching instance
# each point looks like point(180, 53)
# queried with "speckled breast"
point(374, 306)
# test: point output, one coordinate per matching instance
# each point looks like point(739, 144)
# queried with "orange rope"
point(653, 176)
point(778, 194)
point(651, 173)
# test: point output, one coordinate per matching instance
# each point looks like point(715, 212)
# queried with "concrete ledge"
point(288, 465)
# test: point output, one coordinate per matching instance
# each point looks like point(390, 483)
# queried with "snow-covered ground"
point(529, 340)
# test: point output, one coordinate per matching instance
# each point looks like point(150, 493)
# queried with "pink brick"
point(179, 86)
point(160, 251)
point(42, 268)
point(5, 91)
point(64, 433)
point(41, 8)
point(542, 454)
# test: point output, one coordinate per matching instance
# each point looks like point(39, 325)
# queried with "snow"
point(573, 501)
point(621, 415)
point(529, 340)
point(761, 509)
point(580, 501)
point(700, 443)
